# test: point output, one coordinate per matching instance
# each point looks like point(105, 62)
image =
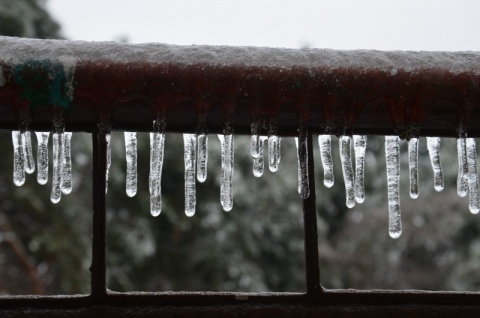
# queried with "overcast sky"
point(446, 25)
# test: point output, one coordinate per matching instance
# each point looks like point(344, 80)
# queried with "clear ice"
point(413, 166)
point(462, 179)
point(302, 157)
point(190, 156)
point(226, 193)
point(131, 159)
point(27, 152)
point(58, 153)
point(433, 146)
point(258, 163)
point(108, 138)
point(360, 145)
point(202, 157)
point(67, 163)
point(42, 156)
point(274, 152)
point(392, 155)
point(325, 143)
point(157, 143)
point(473, 199)
point(18, 161)
point(346, 159)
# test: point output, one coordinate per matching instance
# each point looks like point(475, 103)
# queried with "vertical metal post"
point(99, 267)
point(310, 227)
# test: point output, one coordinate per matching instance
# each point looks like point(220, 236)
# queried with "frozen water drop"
point(67, 163)
point(302, 157)
point(131, 159)
point(346, 159)
point(274, 155)
point(413, 166)
point(392, 155)
point(258, 163)
point(433, 146)
point(190, 156)
point(360, 145)
point(18, 162)
point(108, 138)
point(473, 198)
point(462, 179)
point(157, 142)
point(202, 157)
point(325, 143)
point(27, 152)
point(57, 145)
point(42, 156)
point(226, 190)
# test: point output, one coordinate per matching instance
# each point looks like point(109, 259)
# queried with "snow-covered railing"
point(63, 87)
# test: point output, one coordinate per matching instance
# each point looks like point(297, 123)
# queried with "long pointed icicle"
point(202, 157)
point(433, 146)
point(413, 166)
point(67, 163)
point(57, 144)
point(27, 152)
point(473, 198)
point(108, 138)
point(302, 157)
point(360, 145)
point(258, 163)
point(190, 156)
point(42, 156)
point(348, 177)
point(325, 143)
point(18, 161)
point(462, 179)
point(226, 191)
point(131, 159)
point(392, 155)
point(157, 142)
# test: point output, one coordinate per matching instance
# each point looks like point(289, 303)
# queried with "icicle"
point(226, 193)
point(157, 142)
point(325, 143)
point(345, 156)
point(360, 145)
point(274, 155)
point(27, 152)
point(302, 157)
point(473, 199)
point(67, 163)
point(462, 179)
point(202, 157)
point(108, 137)
point(258, 163)
point(42, 156)
point(433, 145)
point(413, 166)
point(58, 154)
point(392, 155)
point(18, 161)
point(255, 146)
point(190, 156)
point(131, 158)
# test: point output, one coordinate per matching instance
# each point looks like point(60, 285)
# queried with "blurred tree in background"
point(258, 246)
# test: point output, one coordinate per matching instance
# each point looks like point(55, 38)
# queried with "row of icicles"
point(196, 156)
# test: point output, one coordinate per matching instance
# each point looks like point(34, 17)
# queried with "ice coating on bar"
point(433, 146)
point(190, 156)
point(157, 143)
point(108, 138)
point(18, 161)
point(42, 156)
point(131, 159)
point(325, 143)
point(274, 152)
point(348, 177)
point(473, 198)
point(392, 156)
point(360, 145)
point(27, 152)
point(302, 158)
point(226, 190)
point(67, 163)
point(258, 163)
point(413, 166)
point(462, 179)
point(202, 157)
point(58, 153)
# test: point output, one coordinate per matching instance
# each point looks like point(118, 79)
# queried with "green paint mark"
point(43, 82)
